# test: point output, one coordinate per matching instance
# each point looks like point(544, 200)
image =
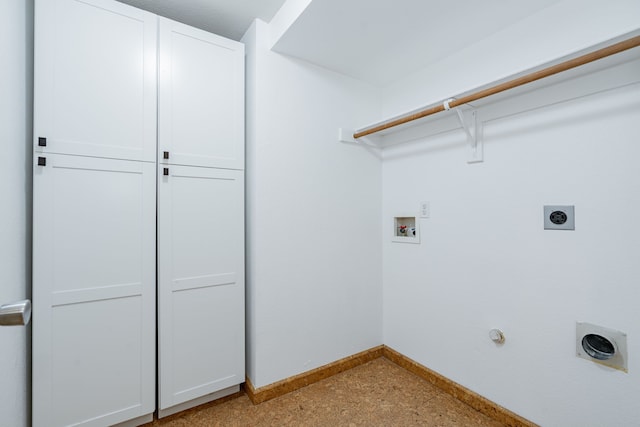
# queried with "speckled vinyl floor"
point(378, 393)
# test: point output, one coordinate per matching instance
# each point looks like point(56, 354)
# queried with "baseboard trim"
point(463, 394)
point(280, 388)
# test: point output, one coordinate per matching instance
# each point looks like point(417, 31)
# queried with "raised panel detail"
point(97, 236)
point(93, 290)
point(201, 282)
point(96, 361)
point(95, 79)
point(201, 106)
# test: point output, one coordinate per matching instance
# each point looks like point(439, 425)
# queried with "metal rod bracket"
point(472, 126)
point(346, 135)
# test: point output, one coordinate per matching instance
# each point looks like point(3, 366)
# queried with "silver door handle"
point(15, 314)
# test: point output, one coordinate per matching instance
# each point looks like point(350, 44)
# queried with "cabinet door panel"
point(95, 79)
point(93, 291)
point(200, 283)
point(201, 99)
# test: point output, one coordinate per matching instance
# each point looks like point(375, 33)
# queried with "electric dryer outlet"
point(559, 217)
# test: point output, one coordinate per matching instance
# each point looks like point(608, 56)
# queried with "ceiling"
point(377, 41)
point(228, 18)
point(380, 41)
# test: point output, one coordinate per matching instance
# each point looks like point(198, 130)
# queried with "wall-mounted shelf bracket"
point(472, 126)
point(346, 135)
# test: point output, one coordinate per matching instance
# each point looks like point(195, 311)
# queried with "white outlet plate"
point(425, 209)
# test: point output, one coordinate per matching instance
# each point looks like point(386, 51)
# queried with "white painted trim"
point(285, 18)
point(199, 401)
point(136, 421)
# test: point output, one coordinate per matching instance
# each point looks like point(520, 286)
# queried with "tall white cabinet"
point(115, 88)
point(200, 216)
point(94, 213)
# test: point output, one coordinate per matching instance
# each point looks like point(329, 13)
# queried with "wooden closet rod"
point(537, 75)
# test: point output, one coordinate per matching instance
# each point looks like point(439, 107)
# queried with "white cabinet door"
point(95, 79)
point(93, 291)
point(200, 282)
point(201, 98)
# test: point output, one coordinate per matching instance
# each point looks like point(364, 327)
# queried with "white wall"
point(556, 31)
point(313, 225)
point(486, 262)
point(16, 26)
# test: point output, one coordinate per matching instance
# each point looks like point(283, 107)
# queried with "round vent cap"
point(598, 347)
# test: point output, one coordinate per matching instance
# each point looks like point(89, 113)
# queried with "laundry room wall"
point(16, 48)
point(561, 29)
point(485, 261)
point(313, 216)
